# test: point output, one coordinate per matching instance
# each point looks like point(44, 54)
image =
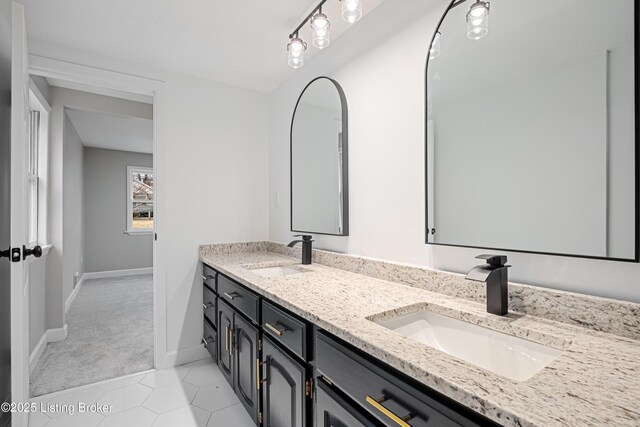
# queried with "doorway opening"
point(91, 294)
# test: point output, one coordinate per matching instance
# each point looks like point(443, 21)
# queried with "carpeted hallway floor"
point(110, 335)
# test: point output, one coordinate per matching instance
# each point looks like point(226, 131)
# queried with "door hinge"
point(260, 418)
point(260, 345)
point(308, 388)
point(155, 236)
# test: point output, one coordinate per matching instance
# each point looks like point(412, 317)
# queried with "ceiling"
point(113, 132)
point(241, 43)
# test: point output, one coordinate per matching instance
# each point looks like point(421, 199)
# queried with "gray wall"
point(107, 247)
point(73, 221)
point(59, 281)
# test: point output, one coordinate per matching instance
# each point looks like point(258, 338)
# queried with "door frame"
point(113, 80)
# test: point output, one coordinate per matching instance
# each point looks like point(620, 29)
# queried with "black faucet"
point(306, 247)
point(494, 272)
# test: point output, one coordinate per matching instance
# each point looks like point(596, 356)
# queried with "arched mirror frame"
point(345, 160)
point(636, 231)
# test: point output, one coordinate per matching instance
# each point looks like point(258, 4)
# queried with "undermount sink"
point(277, 271)
point(506, 355)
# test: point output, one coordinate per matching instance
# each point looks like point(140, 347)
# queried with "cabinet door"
point(245, 355)
point(283, 389)
point(332, 410)
point(225, 328)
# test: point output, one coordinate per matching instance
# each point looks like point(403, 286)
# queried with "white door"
point(19, 276)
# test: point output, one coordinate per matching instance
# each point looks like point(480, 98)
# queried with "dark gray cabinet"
point(245, 345)
point(225, 328)
point(331, 410)
point(284, 388)
point(238, 356)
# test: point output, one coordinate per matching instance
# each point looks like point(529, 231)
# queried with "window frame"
point(37, 102)
point(129, 223)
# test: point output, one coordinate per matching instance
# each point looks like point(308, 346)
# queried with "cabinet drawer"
point(331, 410)
point(381, 392)
point(209, 277)
point(239, 297)
point(209, 339)
point(209, 305)
point(285, 328)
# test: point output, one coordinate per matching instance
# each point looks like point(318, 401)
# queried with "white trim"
point(73, 294)
point(58, 334)
point(187, 355)
point(139, 232)
point(34, 357)
point(117, 273)
point(93, 76)
point(38, 102)
point(50, 335)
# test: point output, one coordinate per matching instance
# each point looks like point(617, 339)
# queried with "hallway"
point(110, 335)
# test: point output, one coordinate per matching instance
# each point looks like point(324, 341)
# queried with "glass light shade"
point(296, 49)
point(320, 25)
point(434, 51)
point(351, 10)
point(477, 30)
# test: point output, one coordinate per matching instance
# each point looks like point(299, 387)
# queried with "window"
point(32, 177)
point(37, 168)
point(139, 200)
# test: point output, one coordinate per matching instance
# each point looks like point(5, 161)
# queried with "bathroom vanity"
point(335, 344)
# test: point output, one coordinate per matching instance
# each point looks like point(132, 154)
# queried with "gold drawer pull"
point(377, 403)
point(226, 339)
point(274, 329)
point(259, 379)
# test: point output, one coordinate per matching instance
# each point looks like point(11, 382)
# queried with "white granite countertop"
point(594, 382)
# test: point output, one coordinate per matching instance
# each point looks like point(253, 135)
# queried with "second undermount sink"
point(277, 271)
point(506, 355)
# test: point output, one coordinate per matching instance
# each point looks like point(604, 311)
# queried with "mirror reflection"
point(531, 127)
point(319, 160)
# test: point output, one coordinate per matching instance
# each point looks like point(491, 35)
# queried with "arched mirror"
point(531, 128)
point(319, 160)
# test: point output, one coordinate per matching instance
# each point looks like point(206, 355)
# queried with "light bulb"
point(479, 9)
point(320, 25)
point(434, 51)
point(295, 49)
point(351, 10)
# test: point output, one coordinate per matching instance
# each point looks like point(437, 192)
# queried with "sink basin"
point(278, 271)
point(503, 354)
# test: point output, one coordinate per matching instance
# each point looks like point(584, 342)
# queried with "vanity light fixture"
point(434, 51)
point(351, 10)
point(478, 20)
point(296, 49)
point(320, 25)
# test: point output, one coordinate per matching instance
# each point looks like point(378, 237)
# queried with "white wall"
point(106, 246)
point(380, 64)
point(214, 170)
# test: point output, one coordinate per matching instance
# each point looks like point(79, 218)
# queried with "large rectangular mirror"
point(531, 130)
point(319, 160)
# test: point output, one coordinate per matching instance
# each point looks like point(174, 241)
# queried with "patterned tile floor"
point(192, 395)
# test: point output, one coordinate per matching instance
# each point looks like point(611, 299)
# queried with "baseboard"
point(187, 355)
point(34, 357)
point(117, 273)
point(73, 293)
point(50, 335)
point(58, 334)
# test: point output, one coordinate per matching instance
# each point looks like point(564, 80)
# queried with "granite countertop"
point(594, 382)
